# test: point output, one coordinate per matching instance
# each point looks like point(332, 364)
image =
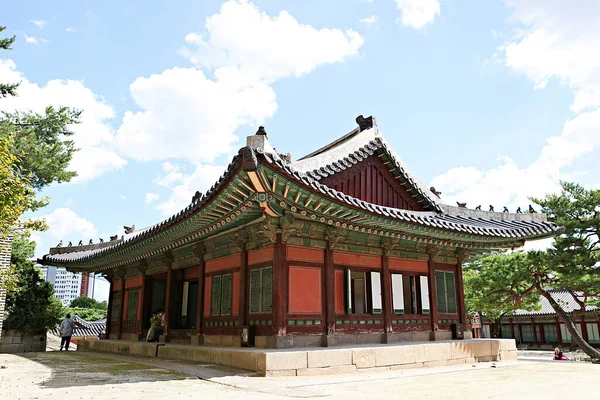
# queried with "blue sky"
point(491, 101)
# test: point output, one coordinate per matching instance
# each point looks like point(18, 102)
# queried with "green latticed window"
point(506, 331)
point(527, 331)
point(132, 305)
point(261, 290)
point(550, 334)
point(116, 307)
point(445, 290)
point(221, 295)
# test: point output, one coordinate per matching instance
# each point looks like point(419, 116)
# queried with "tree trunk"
point(568, 321)
point(496, 328)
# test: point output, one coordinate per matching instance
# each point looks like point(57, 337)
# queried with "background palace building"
point(344, 246)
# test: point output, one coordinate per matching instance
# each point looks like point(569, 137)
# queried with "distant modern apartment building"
point(69, 285)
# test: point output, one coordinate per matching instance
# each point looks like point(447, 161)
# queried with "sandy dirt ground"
point(77, 375)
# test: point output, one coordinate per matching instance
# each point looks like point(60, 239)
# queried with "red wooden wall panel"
point(305, 290)
point(207, 293)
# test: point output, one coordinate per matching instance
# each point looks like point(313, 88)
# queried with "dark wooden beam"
point(386, 289)
point(329, 290)
point(279, 291)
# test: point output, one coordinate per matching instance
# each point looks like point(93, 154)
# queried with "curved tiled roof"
point(139, 236)
point(358, 147)
point(84, 328)
point(562, 297)
point(521, 226)
point(482, 223)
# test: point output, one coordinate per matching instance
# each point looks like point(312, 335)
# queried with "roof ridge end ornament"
point(365, 123)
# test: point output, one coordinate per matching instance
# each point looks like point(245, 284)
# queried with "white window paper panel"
point(424, 294)
point(397, 294)
point(376, 292)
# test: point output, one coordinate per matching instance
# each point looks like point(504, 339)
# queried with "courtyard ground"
point(77, 375)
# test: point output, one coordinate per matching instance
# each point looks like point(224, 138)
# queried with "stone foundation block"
point(499, 345)
point(397, 355)
point(273, 361)
point(363, 358)
point(420, 336)
point(222, 357)
point(279, 373)
point(342, 369)
point(507, 355)
point(244, 360)
point(329, 358)
point(196, 340)
point(436, 351)
point(440, 335)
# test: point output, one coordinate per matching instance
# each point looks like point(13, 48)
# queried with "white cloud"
point(266, 48)
point(556, 39)
point(186, 114)
point(418, 13)
point(183, 188)
point(40, 23)
point(31, 40)
point(93, 136)
point(370, 20)
point(172, 175)
point(151, 198)
point(70, 30)
point(66, 225)
point(122, 197)
point(552, 39)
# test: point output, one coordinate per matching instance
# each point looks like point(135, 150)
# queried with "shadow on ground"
point(69, 369)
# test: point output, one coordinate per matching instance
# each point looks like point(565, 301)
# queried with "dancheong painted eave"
point(262, 182)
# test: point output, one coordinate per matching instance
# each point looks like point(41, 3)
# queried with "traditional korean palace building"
point(343, 246)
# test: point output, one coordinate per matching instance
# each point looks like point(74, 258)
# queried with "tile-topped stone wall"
point(5, 250)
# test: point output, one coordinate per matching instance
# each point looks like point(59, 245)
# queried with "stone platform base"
point(16, 342)
point(319, 361)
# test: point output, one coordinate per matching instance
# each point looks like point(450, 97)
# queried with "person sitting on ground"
point(558, 355)
point(156, 328)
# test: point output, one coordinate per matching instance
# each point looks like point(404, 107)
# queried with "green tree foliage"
point(35, 151)
point(7, 89)
point(31, 308)
point(41, 143)
point(573, 262)
point(87, 302)
point(88, 314)
point(16, 191)
point(498, 285)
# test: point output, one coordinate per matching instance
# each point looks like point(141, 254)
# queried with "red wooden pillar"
point(168, 261)
point(123, 305)
point(329, 290)
point(110, 305)
point(244, 290)
point(558, 332)
point(535, 338)
point(200, 300)
point(512, 329)
point(462, 318)
point(143, 315)
point(520, 332)
point(432, 293)
point(386, 287)
point(280, 288)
